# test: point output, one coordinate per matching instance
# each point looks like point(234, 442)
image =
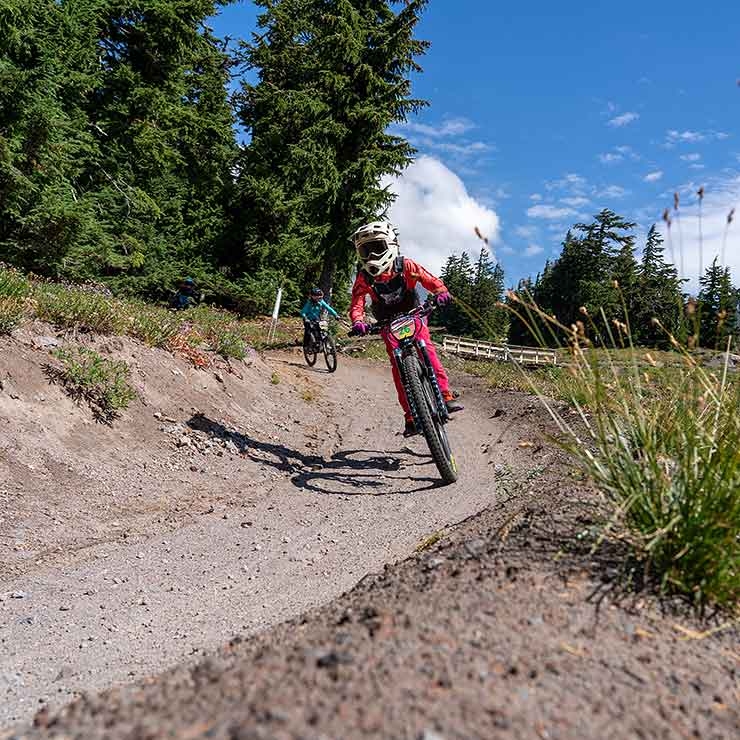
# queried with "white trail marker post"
point(275, 314)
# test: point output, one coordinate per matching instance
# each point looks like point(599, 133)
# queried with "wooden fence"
point(476, 349)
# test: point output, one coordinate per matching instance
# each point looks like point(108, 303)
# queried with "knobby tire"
point(432, 430)
point(310, 356)
point(330, 353)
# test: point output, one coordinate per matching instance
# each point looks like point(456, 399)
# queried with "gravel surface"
point(309, 506)
point(507, 624)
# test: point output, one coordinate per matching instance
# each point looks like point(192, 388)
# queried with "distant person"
point(311, 313)
point(390, 280)
point(185, 296)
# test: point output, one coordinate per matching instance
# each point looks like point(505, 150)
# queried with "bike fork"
point(441, 405)
point(398, 359)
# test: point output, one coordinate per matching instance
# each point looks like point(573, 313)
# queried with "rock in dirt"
point(431, 735)
point(45, 342)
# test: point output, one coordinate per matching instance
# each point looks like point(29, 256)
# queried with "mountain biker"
point(390, 280)
point(185, 296)
point(311, 313)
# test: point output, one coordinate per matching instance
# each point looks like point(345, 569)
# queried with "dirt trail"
point(158, 551)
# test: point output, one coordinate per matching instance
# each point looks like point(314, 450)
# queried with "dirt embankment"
point(247, 502)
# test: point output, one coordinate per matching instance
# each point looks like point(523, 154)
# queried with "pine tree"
point(332, 78)
point(658, 296)
point(162, 118)
point(583, 274)
point(116, 139)
point(717, 307)
point(519, 320)
point(458, 275)
point(46, 70)
point(489, 320)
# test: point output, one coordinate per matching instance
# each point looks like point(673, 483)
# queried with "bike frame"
point(405, 347)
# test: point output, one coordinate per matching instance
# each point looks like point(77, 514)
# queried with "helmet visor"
point(372, 250)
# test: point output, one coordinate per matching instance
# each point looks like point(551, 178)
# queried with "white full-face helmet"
point(377, 246)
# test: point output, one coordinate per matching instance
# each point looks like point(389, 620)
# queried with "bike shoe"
point(409, 429)
point(453, 406)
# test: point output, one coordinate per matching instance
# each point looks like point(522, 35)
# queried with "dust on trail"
point(316, 490)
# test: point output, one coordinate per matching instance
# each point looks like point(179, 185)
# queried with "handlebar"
point(424, 310)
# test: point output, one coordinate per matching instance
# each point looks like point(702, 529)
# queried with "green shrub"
point(101, 382)
point(219, 331)
point(13, 284)
point(68, 308)
point(152, 325)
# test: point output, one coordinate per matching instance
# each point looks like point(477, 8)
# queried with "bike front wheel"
point(309, 352)
point(431, 426)
point(330, 353)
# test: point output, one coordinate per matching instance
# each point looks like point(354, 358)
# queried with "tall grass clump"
point(663, 446)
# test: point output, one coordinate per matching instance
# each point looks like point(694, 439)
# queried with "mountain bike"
point(420, 385)
point(320, 340)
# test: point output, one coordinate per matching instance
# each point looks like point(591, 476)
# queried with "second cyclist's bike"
point(320, 340)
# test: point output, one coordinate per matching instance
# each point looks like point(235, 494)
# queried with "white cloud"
point(696, 166)
point(720, 197)
point(537, 197)
point(628, 151)
point(694, 157)
point(532, 250)
point(610, 158)
point(571, 181)
point(467, 149)
point(674, 137)
point(576, 201)
point(624, 120)
point(683, 137)
point(549, 212)
point(436, 215)
point(448, 127)
point(653, 176)
point(613, 191)
point(526, 232)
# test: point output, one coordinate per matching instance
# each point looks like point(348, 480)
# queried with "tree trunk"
point(328, 271)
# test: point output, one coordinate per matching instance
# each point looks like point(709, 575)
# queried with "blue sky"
point(543, 113)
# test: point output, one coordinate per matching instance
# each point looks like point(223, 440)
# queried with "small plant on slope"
point(101, 382)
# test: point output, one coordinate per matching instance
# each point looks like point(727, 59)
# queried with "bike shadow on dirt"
point(345, 473)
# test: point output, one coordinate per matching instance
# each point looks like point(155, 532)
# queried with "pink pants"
point(391, 343)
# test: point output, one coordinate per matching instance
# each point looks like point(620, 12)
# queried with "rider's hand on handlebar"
point(360, 328)
point(442, 299)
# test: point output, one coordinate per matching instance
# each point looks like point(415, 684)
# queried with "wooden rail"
point(475, 348)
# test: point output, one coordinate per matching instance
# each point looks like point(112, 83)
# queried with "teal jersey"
point(312, 311)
